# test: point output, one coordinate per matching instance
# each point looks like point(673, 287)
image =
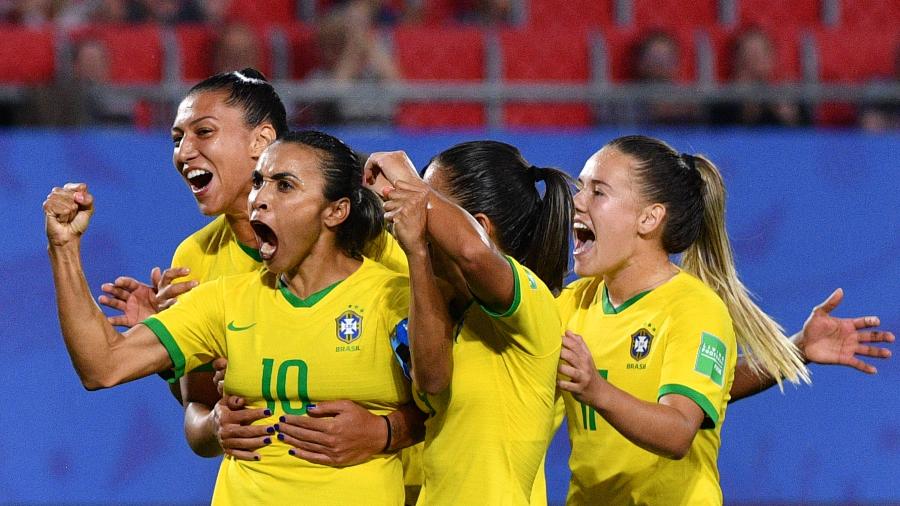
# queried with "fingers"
point(116, 292)
point(240, 416)
point(170, 275)
point(307, 450)
point(245, 437)
point(118, 321)
point(114, 303)
point(328, 408)
point(176, 290)
point(155, 276)
point(220, 364)
point(872, 351)
point(306, 423)
point(876, 336)
point(242, 454)
point(60, 205)
point(831, 302)
point(127, 283)
point(864, 322)
point(235, 403)
point(859, 365)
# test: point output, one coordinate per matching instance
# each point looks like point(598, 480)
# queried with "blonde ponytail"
point(710, 258)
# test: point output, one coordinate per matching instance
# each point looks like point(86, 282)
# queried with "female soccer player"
point(503, 249)
point(313, 325)
point(645, 390)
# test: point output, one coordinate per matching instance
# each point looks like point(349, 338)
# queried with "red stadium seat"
point(570, 13)
point(26, 55)
point(853, 56)
point(622, 45)
point(197, 48)
point(785, 40)
point(880, 15)
point(262, 12)
point(528, 58)
point(779, 13)
point(135, 52)
point(304, 50)
point(674, 13)
point(447, 54)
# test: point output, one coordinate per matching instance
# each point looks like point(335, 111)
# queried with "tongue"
point(267, 249)
point(584, 246)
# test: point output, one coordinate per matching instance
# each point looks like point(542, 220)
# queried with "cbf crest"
point(349, 326)
point(640, 343)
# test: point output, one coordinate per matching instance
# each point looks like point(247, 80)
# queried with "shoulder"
point(689, 299)
point(579, 293)
point(199, 240)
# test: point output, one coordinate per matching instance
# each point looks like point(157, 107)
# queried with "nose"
point(258, 199)
point(579, 200)
point(185, 152)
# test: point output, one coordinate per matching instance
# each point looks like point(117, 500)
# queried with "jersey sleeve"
point(186, 256)
point(701, 354)
point(192, 330)
point(394, 305)
point(532, 320)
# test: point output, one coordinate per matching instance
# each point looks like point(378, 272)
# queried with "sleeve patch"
point(711, 358)
point(400, 344)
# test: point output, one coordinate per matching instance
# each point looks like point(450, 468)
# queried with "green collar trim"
point(608, 308)
point(310, 301)
point(252, 253)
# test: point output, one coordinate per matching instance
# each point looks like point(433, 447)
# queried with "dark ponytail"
point(342, 169)
point(494, 179)
point(249, 90)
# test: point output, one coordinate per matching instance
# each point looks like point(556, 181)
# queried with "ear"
point(263, 136)
point(486, 225)
point(337, 212)
point(651, 219)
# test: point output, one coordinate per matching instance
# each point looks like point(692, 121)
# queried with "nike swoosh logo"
point(231, 326)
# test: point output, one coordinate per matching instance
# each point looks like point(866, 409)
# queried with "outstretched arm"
point(824, 339)
point(102, 356)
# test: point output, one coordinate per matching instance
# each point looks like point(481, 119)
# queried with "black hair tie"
point(687, 161)
point(537, 173)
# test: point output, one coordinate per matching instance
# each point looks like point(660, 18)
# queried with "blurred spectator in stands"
point(753, 64)
point(350, 52)
point(237, 47)
point(884, 115)
point(76, 100)
point(656, 61)
point(30, 12)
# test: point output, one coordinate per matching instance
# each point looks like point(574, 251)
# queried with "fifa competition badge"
point(349, 326)
point(711, 358)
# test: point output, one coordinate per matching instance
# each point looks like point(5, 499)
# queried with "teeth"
point(196, 172)
point(580, 226)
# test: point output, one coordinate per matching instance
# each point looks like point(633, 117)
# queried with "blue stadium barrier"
point(808, 211)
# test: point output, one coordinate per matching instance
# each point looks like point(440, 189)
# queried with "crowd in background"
point(349, 49)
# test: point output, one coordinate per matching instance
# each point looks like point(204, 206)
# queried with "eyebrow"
point(285, 175)
point(594, 181)
point(194, 122)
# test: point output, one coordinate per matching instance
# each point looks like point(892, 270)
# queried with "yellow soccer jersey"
point(489, 431)
point(285, 352)
point(675, 339)
point(213, 252)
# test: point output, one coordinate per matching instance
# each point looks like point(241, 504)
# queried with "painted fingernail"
point(280, 436)
point(291, 452)
point(310, 406)
point(267, 441)
point(281, 419)
point(256, 457)
point(270, 430)
point(277, 427)
point(268, 412)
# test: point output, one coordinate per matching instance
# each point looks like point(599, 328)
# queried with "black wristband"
point(387, 445)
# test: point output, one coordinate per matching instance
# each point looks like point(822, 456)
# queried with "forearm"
point(655, 427)
point(200, 430)
point(87, 335)
point(407, 427)
point(748, 382)
point(430, 328)
point(459, 236)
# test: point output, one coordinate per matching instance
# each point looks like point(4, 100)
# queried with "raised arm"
point(102, 357)
point(824, 339)
point(463, 238)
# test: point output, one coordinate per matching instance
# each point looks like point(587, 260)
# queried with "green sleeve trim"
point(251, 252)
point(712, 414)
point(517, 296)
point(162, 333)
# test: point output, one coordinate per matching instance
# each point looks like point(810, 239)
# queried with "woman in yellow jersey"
point(222, 126)
point(646, 388)
point(313, 325)
point(502, 247)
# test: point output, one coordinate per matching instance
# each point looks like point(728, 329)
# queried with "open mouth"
point(199, 179)
point(268, 241)
point(584, 238)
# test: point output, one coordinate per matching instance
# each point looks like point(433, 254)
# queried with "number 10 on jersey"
point(285, 380)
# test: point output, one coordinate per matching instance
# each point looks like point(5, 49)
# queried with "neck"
point(322, 267)
point(640, 273)
point(240, 225)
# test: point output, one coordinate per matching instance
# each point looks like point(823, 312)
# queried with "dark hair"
point(671, 179)
point(343, 172)
point(493, 178)
point(249, 90)
point(693, 193)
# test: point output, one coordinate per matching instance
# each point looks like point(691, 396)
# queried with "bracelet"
point(387, 445)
